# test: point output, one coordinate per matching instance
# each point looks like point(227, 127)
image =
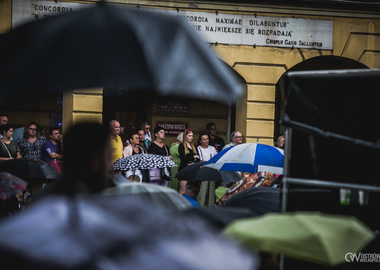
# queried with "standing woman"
point(31, 143)
point(8, 149)
point(133, 148)
point(188, 154)
point(159, 148)
point(206, 195)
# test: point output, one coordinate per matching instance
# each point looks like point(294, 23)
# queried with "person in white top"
point(206, 195)
point(206, 151)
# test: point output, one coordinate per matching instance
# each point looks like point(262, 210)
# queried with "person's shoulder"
point(174, 145)
point(212, 148)
point(46, 143)
point(127, 146)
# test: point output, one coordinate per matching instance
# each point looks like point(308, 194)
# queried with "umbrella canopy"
point(159, 196)
point(196, 172)
point(33, 171)
point(248, 157)
point(142, 161)
point(219, 217)
point(117, 47)
point(261, 200)
point(112, 232)
point(10, 185)
point(309, 236)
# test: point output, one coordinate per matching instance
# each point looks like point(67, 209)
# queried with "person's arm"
point(56, 156)
point(196, 154)
point(181, 152)
point(127, 152)
point(18, 152)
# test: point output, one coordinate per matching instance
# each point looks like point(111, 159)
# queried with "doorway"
point(130, 110)
point(329, 62)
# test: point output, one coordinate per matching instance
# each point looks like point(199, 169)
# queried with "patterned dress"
point(31, 150)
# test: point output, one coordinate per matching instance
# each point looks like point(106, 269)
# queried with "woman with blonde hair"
point(188, 154)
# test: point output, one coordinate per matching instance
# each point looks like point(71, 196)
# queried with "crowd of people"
point(184, 152)
point(32, 144)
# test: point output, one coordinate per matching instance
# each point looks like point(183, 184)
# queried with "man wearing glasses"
point(214, 140)
point(236, 138)
point(51, 149)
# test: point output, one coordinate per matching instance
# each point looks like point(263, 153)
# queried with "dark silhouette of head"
point(87, 156)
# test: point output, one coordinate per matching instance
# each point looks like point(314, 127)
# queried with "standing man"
point(214, 140)
point(141, 134)
point(148, 136)
point(51, 149)
point(116, 143)
point(236, 138)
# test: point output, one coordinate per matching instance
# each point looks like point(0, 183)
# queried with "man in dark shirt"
point(214, 140)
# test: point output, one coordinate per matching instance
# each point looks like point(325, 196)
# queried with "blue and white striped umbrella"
point(249, 157)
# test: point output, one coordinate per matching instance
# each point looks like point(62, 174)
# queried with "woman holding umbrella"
point(188, 154)
point(159, 148)
point(8, 149)
point(133, 148)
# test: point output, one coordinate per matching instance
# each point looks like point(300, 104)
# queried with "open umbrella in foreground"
point(219, 217)
point(158, 196)
point(261, 200)
point(112, 232)
point(32, 171)
point(110, 46)
point(196, 172)
point(249, 157)
point(309, 236)
point(10, 185)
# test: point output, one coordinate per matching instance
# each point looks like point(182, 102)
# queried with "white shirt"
point(148, 137)
point(206, 153)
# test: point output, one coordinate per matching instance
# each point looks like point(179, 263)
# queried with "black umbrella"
point(116, 47)
point(98, 233)
point(220, 217)
point(196, 172)
point(33, 171)
point(261, 200)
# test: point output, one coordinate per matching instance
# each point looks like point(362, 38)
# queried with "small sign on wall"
point(172, 128)
point(172, 107)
